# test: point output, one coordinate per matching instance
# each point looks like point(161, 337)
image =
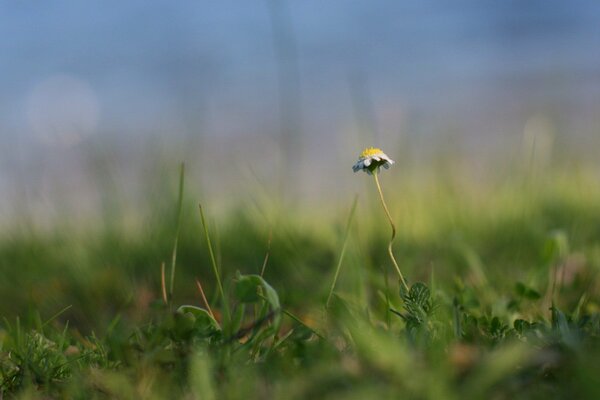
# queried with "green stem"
point(179, 210)
point(388, 305)
point(214, 263)
point(345, 243)
point(298, 320)
point(387, 213)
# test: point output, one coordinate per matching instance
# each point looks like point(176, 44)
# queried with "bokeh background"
point(491, 110)
point(100, 99)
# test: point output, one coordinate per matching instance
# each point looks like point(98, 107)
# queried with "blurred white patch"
point(62, 110)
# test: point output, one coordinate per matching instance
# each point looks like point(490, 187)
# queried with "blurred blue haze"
point(74, 73)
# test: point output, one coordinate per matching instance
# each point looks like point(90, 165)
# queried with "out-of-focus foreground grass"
point(512, 265)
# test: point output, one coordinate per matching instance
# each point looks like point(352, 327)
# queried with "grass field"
point(504, 297)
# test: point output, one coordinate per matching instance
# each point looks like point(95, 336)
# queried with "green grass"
point(504, 299)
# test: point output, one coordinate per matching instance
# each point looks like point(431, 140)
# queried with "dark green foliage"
point(419, 308)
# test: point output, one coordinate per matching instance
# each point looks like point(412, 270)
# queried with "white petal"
point(367, 162)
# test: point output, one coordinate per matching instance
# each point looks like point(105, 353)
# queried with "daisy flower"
point(371, 159)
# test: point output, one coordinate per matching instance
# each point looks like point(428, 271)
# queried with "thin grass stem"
point(344, 245)
point(388, 304)
point(266, 260)
point(52, 318)
point(204, 298)
point(298, 320)
point(179, 209)
point(214, 262)
point(163, 283)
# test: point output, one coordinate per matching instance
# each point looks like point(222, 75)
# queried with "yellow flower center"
point(370, 151)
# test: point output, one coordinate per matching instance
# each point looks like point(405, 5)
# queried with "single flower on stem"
point(371, 160)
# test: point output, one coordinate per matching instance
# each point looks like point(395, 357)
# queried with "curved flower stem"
point(387, 213)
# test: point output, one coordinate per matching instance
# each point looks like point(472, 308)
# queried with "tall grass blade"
point(163, 283)
point(344, 245)
point(214, 262)
point(179, 209)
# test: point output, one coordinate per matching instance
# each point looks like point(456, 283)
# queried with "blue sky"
point(185, 66)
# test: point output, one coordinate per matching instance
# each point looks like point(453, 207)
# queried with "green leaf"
point(526, 292)
point(418, 304)
point(420, 293)
point(247, 288)
point(183, 326)
point(201, 318)
point(253, 288)
point(522, 326)
point(237, 318)
point(497, 328)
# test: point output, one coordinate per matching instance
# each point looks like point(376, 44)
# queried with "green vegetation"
point(503, 299)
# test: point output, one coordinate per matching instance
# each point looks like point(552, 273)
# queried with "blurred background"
point(490, 109)
point(100, 100)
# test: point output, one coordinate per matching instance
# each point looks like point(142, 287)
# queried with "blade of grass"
point(264, 266)
point(344, 245)
point(163, 283)
point(214, 263)
point(298, 320)
point(179, 209)
point(388, 319)
point(204, 298)
point(52, 318)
